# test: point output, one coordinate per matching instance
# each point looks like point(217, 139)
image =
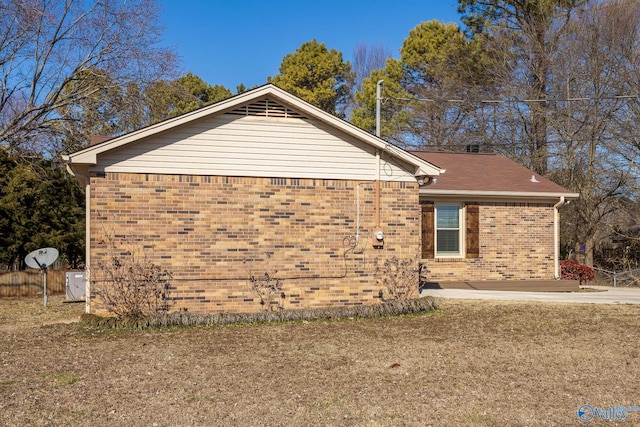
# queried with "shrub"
point(266, 286)
point(128, 284)
point(179, 318)
point(573, 270)
point(400, 278)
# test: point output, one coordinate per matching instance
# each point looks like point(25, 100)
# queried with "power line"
point(517, 101)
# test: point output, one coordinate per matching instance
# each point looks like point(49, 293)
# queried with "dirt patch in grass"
point(468, 363)
point(29, 312)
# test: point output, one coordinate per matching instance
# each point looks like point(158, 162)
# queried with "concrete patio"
point(586, 294)
point(509, 285)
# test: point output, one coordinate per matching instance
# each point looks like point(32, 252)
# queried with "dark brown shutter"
point(473, 230)
point(428, 234)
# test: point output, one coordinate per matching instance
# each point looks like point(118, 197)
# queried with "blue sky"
point(233, 42)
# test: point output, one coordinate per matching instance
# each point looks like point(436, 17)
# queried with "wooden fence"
point(29, 283)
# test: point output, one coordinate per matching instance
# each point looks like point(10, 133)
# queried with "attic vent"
point(266, 108)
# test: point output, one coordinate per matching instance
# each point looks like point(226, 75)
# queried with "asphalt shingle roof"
point(485, 172)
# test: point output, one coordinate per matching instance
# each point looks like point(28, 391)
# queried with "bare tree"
point(367, 58)
point(566, 72)
point(594, 149)
point(367, 61)
point(531, 30)
point(49, 50)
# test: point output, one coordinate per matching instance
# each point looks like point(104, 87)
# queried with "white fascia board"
point(498, 194)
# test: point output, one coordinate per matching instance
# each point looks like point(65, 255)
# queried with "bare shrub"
point(268, 287)
point(181, 318)
point(400, 278)
point(130, 284)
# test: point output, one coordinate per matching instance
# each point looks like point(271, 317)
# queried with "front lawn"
point(468, 363)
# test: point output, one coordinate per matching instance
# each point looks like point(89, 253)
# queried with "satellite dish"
point(41, 258)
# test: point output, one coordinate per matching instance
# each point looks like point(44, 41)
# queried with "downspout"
point(87, 231)
point(556, 237)
point(377, 189)
point(87, 244)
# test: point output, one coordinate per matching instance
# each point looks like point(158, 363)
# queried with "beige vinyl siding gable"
point(232, 145)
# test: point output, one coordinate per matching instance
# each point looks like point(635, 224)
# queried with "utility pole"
point(378, 102)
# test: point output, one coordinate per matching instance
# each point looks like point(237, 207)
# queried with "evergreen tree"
point(438, 64)
point(41, 205)
point(165, 99)
point(317, 75)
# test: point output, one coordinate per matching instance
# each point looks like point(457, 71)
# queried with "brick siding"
point(516, 243)
point(211, 231)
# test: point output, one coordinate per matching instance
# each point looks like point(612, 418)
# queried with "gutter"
point(556, 237)
point(507, 194)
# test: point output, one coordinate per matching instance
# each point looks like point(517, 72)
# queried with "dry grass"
point(469, 363)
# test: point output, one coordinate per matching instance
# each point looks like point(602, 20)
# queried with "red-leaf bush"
point(573, 270)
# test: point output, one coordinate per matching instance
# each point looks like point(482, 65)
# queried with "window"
point(450, 230)
point(448, 226)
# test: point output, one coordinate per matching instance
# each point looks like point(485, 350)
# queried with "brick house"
point(261, 182)
point(489, 218)
point(264, 182)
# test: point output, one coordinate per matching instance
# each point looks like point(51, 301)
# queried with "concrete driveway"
point(601, 295)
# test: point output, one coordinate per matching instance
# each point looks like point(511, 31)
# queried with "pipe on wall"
point(556, 236)
point(377, 202)
point(378, 102)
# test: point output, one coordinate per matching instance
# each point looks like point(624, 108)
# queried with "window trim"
point(461, 230)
